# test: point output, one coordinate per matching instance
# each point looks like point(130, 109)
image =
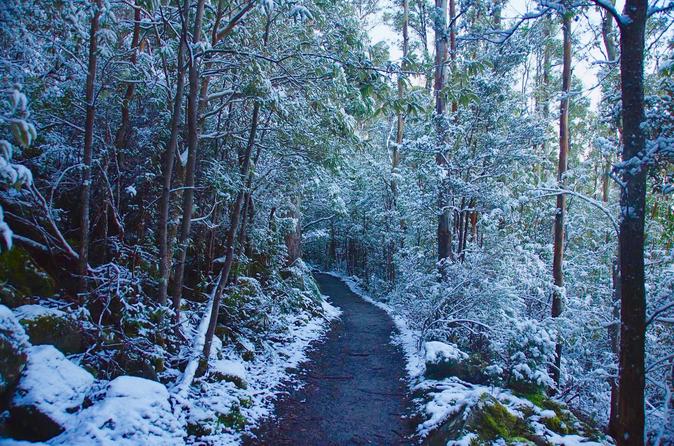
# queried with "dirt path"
point(355, 393)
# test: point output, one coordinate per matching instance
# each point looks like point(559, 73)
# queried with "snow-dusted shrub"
point(14, 121)
point(526, 352)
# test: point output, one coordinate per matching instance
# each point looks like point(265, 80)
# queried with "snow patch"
point(437, 352)
point(52, 384)
point(32, 312)
point(134, 411)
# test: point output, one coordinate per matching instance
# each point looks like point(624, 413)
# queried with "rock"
point(134, 411)
point(51, 326)
point(484, 422)
point(132, 362)
point(442, 360)
point(26, 278)
point(457, 412)
point(10, 296)
point(227, 370)
point(13, 354)
point(51, 389)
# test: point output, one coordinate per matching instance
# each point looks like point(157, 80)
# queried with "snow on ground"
point(264, 377)
point(133, 411)
point(53, 384)
point(31, 312)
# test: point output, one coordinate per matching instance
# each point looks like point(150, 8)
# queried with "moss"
point(27, 279)
point(246, 402)
point(236, 380)
point(233, 419)
point(537, 396)
point(555, 424)
point(493, 420)
point(197, 429)
point(62, 332)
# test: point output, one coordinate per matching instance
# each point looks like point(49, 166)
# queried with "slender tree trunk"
point(88, 150)
point(165, 246)
point(614, 330)
point(231, 233)
point(293, 240)
point(630, 425)
point(192, 146)
point(124, 130)
point(444, 236)
point(560, 214)
point(390, 249)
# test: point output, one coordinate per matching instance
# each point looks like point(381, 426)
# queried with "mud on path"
point(354, 392)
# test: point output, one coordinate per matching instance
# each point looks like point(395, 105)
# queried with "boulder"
point(442, 360)
point(51, 389)
point(133, 411)
point(19, 270)
point(13, 354)
point(457, 412)
point(482, 423)
point(228, 370)
point(51, 326)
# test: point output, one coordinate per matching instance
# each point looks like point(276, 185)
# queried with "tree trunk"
point(614, 330)
point(293, 240)
point(560, 213)
point(400, 131)
point(165, 247)
point(231, 233)
point(88, 150)
point(631, 385)
point(124, 130)
point(444, 236)
point(192, 146)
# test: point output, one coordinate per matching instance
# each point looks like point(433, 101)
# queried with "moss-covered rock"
point(228, 370)
point(10, 296)
point(53, 327)
point(13, 353)
point(18, 270)
point(492, 420)
point(488, 421)
point(134, 363)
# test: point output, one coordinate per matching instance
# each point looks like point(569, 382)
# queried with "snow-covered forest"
point(495, 175)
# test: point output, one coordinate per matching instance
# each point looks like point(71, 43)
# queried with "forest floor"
point(354, 390)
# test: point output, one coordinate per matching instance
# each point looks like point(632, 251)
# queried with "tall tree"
point(400, 132)
point(444, 235)
point(560, 211)
point(190, 168)
point(630, 423)
point(88, 147)
point(165, 255)
point(223, 277)
point(607, 31)
point(631, 418)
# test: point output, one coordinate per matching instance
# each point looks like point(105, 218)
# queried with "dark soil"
point(354, 391)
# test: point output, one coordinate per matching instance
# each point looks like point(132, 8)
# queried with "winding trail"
point(354, 392)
